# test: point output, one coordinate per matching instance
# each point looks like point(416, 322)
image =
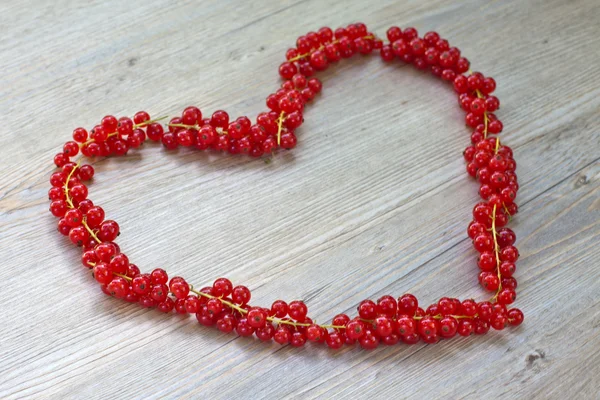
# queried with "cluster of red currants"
point(387, 321)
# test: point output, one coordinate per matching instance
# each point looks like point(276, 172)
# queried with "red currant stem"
point(150, 121)
point(485, 123)
point(127, 278)
point(279, 123)
point(497, 145)
point(506, 210)
point(301, 56)
point(185, 126)
point(496, 250)
point(66, 186)
point(91, 232)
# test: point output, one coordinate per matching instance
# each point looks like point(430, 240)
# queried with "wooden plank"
point(373, 201)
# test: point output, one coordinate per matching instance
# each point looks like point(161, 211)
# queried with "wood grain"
point(373, 201)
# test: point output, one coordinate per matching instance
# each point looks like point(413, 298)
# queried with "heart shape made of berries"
point(389, 320)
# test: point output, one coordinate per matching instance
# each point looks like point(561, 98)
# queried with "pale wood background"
point(373, 201)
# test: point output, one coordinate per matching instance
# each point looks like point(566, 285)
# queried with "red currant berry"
point(297, 310)
point(367, 309)
point(240, 295)
point(256, 317)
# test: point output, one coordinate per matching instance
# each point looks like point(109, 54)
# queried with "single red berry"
point(243, 328)
point(227, 323)
point(191, 304)
point(315, 333)
point(159, 276)
point(498, 322)
point(119, 264)
point(367, 309)
point(78, 192)
point(102, 273)
point(407, 304)
point(141, 284)
point(384, 326)
point(298, 339)
point(140, 117)
point(355, 329)
point(73, 217)
point(279, 309)
point(118, 287)
point(256, 317)
point(287, 70)
point(79, 235)
point(108, 231)
point(387, 305)
point(159, 292)
point(180, 288)
point(180, 306)
point(448, 327)
point(427, 326)
point(282, 335)
point(515, 317)
point(406, 325)
point(214, 306)
point(335, 340)
point(507, 296)
point(265, 333)
point(166, 305)
point(369, 340)
point(219, 119)
point(240, 295)
point(340, 320)
point(297, 310)
point(80, 135)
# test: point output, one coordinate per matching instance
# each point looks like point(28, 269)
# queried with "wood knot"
point(532, 358)
point(583, 180)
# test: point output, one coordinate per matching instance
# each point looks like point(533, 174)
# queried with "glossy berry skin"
point(335, 340)
point(282, 335)
point(355, 329)
point(223, 287)
point(298, 339)
point(390, 320)
point(79, 235)
point(387, 305)
point(406, 325)
point(315, 333)
point(180, 288)
point(241, 295)
point(448, 327)
point(279, 309)
point(108, 231)
point(427, 327)
point(515, 317)
point(367, 309)
point(297, 310)
point(141, 284)
point(384, 326)
point(407, 305)
point(257, 318)
point(369, 340)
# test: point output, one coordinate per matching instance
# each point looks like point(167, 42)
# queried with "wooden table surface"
point(374, 200)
